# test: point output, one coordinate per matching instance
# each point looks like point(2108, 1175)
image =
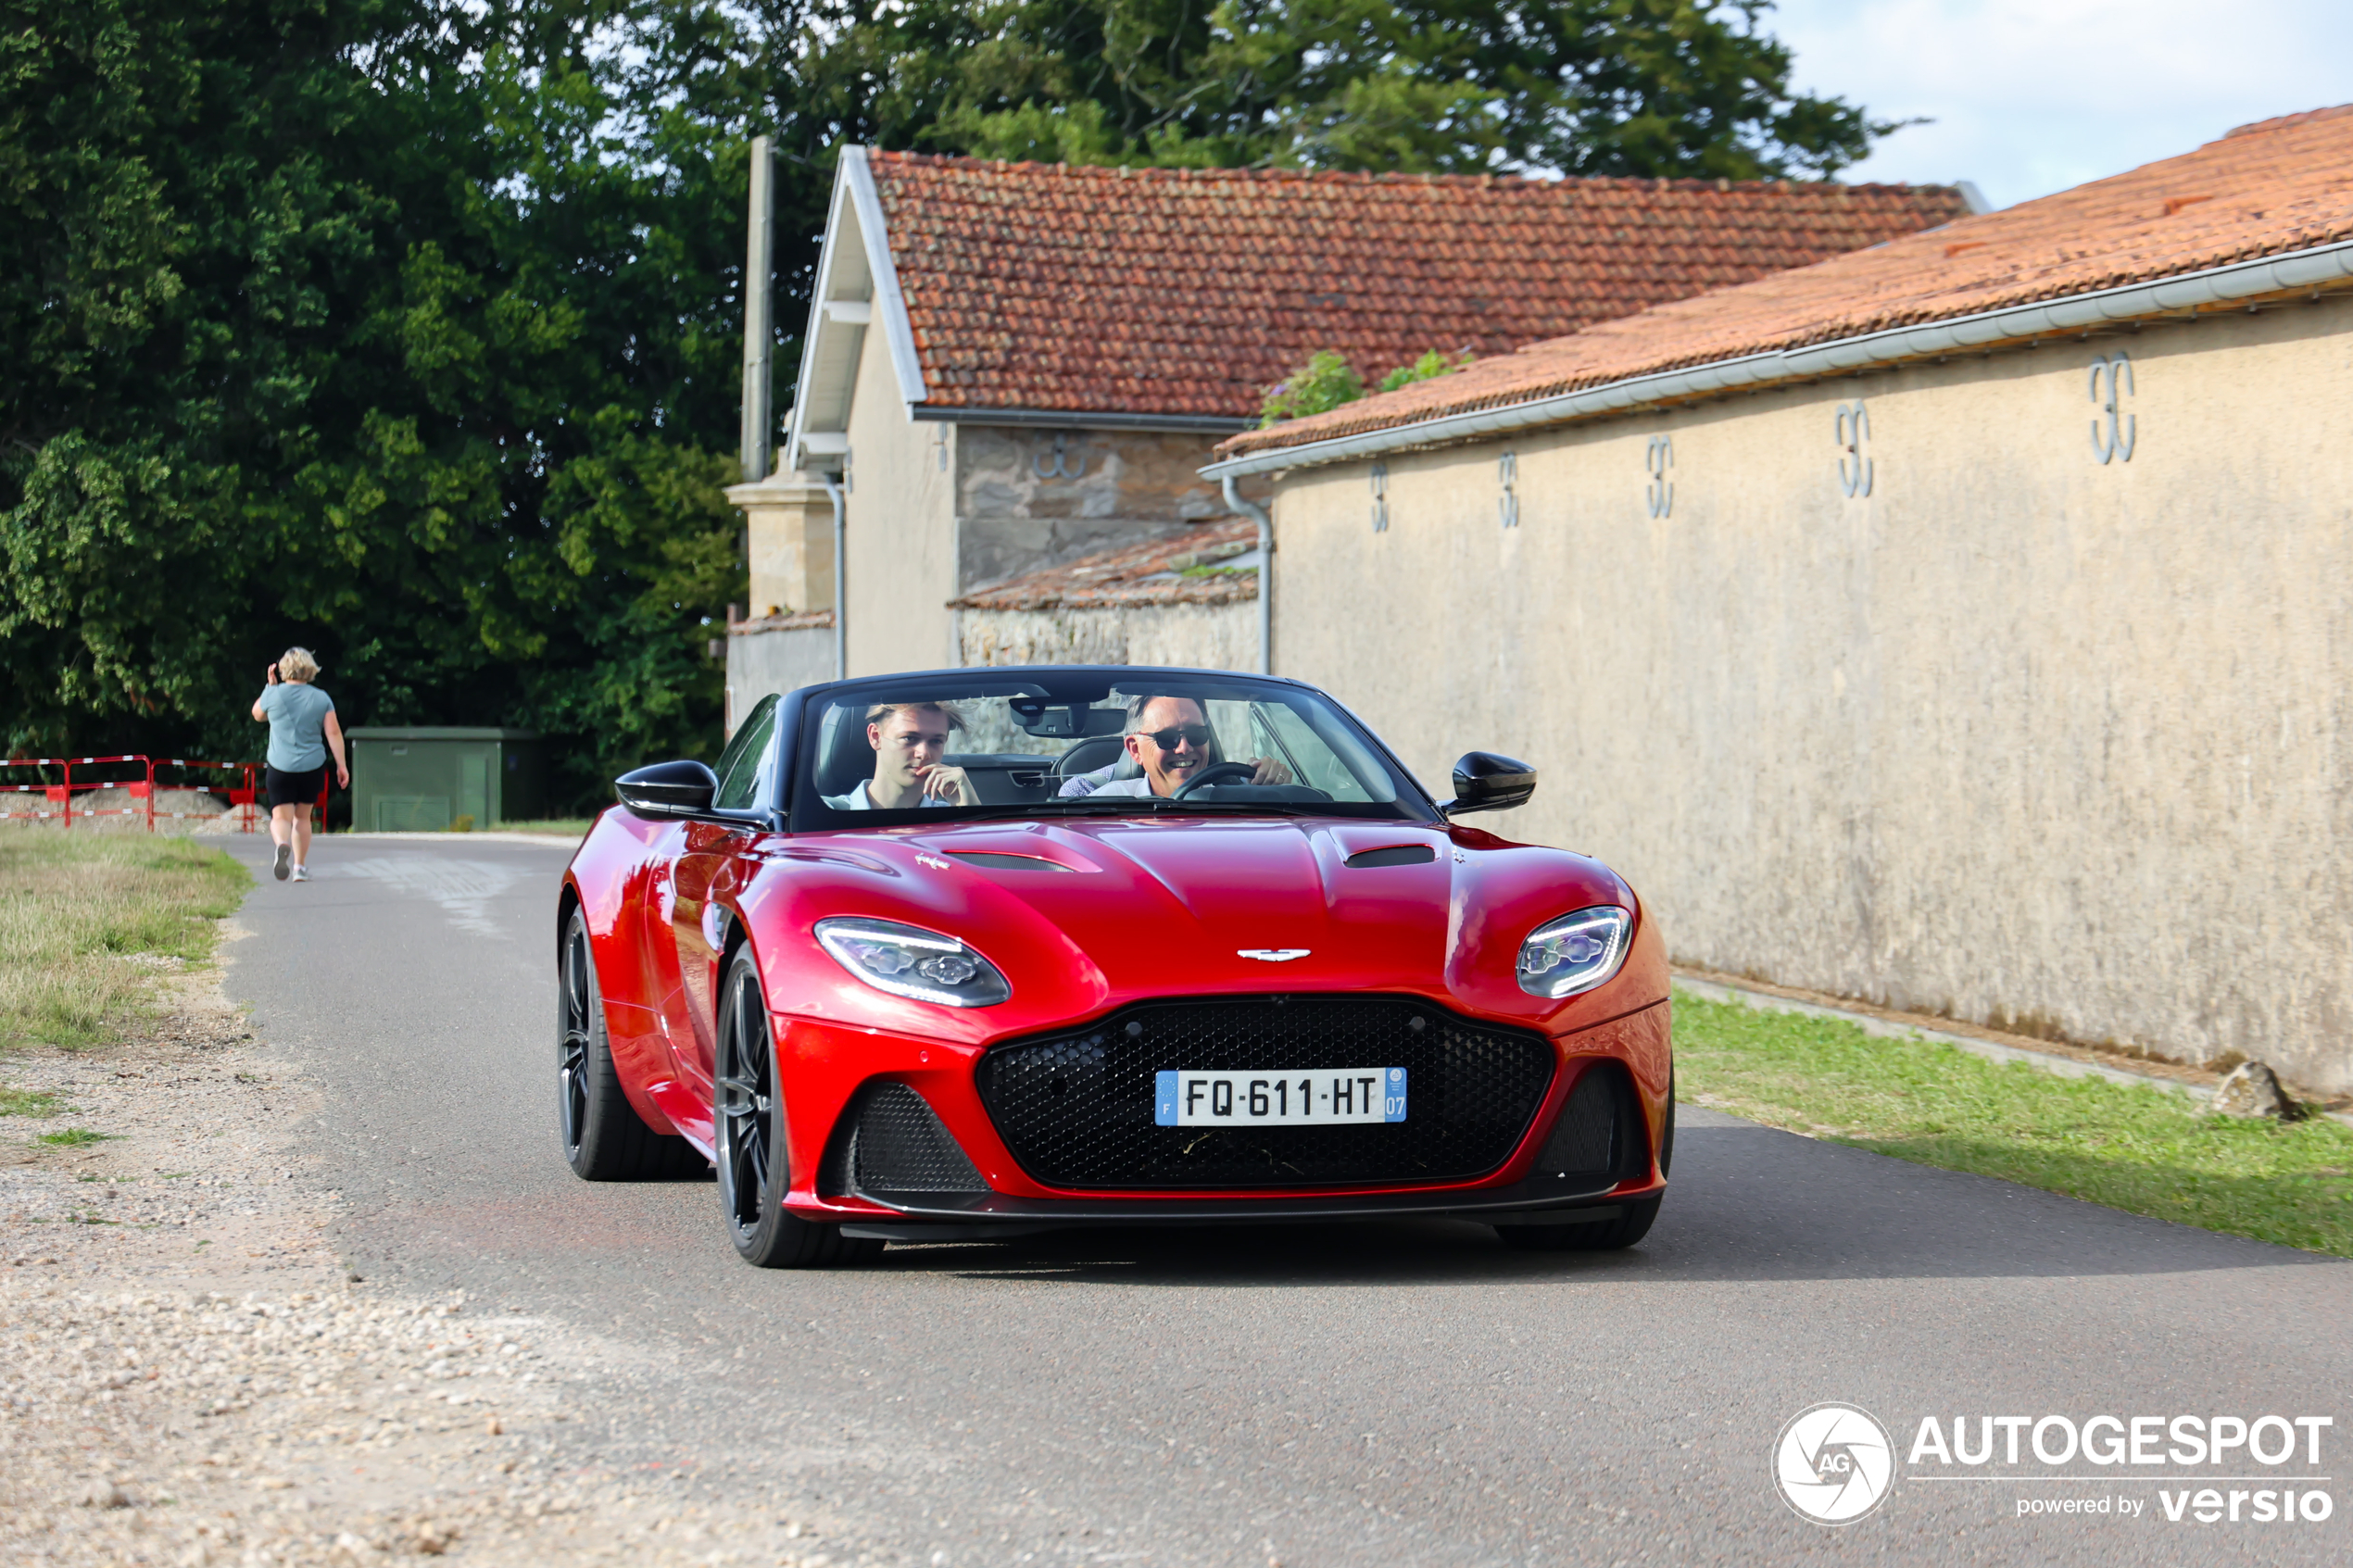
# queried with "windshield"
point(1059, 743)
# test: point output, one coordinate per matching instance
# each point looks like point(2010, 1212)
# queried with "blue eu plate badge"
point(1323, 1096)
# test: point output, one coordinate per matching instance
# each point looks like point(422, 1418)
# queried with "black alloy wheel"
point(604, 1138)
point(748, 1116)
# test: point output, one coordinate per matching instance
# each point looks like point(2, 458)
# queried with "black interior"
point(845, 757)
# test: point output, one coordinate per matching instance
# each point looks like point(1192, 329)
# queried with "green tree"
point(407, 330)
point(1626, 87)
point(364, 325)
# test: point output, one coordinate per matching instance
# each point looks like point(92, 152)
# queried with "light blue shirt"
point(298, 714)
point(856, 799)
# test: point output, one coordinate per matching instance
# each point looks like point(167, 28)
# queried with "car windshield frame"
point(804, 810)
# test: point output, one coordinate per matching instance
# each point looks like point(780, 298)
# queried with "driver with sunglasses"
point(1169, 738)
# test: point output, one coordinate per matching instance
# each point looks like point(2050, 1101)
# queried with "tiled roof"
point(1136, 574)
point(1189, 292)
point(2265, 189)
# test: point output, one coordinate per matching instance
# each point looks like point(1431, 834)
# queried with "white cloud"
point(2031, 96)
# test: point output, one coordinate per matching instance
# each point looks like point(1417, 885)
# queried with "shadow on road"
point(1748, 1203)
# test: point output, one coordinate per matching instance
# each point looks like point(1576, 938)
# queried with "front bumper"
point(827, 1069)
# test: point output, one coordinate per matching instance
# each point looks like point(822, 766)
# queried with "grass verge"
point(76, 907)
point(2144, 1150)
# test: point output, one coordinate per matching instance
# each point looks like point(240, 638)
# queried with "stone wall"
point(1222, 636)
point(762, 659)
point(1027, 498)
point(2017, 737)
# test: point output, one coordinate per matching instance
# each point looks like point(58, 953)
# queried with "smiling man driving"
point(1169, 738)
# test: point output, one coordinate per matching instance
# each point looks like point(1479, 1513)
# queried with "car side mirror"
point(667, 791)
point(1484, 781)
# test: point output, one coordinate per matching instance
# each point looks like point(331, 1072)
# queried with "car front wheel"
point(749, 1120)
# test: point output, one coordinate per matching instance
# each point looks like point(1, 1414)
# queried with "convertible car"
point(976, 953)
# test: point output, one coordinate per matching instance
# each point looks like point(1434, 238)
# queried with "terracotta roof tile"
point(1136, 575)
point(2281, 185)
point(1189, 292)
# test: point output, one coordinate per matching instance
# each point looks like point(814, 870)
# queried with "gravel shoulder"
point(191, 1375)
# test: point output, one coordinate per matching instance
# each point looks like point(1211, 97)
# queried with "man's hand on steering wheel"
point(1269, 772)
point(1216, 772)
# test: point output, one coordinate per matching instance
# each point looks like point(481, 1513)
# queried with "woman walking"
point(302, 726)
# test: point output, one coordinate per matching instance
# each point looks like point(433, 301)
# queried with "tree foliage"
point(363, 326)
point(1626, 87)
point(405, 330)
point(1327, 381)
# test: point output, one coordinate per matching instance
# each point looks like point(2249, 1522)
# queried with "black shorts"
point(296, 789)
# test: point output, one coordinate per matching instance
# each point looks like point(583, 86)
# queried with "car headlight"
point(1576, 952)
point(907, 960)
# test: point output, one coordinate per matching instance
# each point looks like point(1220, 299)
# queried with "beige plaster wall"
point(2018, 738)
point(898, 535)
point(1196, 636)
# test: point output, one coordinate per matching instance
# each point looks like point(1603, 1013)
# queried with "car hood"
point(1168, 906)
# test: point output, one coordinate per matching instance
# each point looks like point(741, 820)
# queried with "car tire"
point(604, 1138)
point(754, 1157)
point(1632, 1224)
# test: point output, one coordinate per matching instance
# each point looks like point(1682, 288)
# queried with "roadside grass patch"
point(2144, 1150)
point(77, 909)
point(29, 1102)
point(75, 1137)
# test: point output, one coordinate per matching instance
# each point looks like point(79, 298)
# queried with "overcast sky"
point(2031, 96)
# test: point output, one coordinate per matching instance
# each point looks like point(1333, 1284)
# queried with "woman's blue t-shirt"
point(298, 714)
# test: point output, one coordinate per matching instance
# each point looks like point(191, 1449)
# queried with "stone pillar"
point(791, 524)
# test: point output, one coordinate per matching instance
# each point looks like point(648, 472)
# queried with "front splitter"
point(991, 1216)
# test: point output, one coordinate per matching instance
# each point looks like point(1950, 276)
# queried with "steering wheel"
point(1215, 772)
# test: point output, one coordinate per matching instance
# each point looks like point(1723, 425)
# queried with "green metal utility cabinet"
point(424, 780)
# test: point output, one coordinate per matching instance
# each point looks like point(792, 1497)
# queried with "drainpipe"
point(1258, 514)
point(841, 593)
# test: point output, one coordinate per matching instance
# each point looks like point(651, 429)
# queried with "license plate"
point(1323, 1097)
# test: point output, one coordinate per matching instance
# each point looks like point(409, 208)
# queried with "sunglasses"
point(1194, 736)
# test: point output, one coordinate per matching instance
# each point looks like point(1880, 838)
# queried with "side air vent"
point(997, 862)
point(1396, 855)
point(891, 1142)
point(1600, 1130)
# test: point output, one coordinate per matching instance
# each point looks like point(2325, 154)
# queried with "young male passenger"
point(908, 739)
point(1171, 740)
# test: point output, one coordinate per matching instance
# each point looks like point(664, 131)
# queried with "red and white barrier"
point(243, 790)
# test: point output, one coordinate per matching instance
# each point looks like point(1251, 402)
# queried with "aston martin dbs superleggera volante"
point(981, 952)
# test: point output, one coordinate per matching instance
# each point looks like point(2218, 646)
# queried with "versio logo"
point(1834, 1463)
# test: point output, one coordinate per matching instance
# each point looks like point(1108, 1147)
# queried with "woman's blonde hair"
point(297, 664)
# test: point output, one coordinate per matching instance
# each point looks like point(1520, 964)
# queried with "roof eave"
point(2293, 271)
point(857, 270)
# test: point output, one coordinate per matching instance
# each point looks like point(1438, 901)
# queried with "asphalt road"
point(1399, 1393)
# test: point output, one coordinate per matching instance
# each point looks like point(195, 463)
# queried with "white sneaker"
point(300, 875)
point(285, 853)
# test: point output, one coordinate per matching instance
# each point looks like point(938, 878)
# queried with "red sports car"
point(981, 952)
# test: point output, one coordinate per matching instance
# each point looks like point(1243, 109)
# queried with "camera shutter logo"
point(1834, 1463)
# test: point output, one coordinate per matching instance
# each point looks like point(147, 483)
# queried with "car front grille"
point(1076, 1108)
